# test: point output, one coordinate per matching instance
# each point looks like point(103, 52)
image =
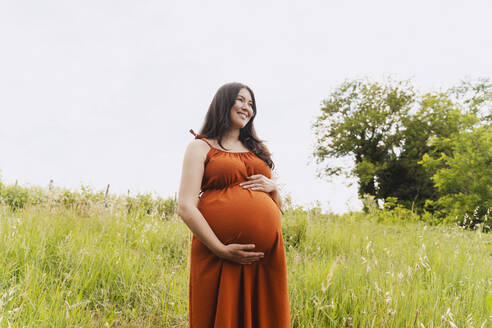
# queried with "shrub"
point(16, 197)
point(294, 227)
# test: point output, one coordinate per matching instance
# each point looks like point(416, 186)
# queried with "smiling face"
point(242, 110)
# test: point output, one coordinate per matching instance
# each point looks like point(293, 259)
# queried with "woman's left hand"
point(259, 182)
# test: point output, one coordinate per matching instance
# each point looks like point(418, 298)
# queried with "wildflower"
point(448, 317)
point(329, 277)
point(377, 287)
point(388, 298)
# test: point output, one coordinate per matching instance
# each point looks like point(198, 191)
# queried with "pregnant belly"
point(242, 216)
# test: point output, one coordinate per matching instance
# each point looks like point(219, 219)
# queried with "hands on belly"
point(240, 253)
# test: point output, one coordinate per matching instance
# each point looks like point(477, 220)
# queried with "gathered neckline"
point(231, 152)
point(202, 137)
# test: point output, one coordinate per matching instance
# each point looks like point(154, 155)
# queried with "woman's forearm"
point(276, 197)
point(194, 219)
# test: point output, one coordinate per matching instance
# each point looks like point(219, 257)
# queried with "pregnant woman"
point(238, 274)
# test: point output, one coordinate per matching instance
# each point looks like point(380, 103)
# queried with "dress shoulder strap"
point(201, 137)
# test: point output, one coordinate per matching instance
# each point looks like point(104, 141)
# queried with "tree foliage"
point(463, 175)
point(386, 128)
point(362, 120)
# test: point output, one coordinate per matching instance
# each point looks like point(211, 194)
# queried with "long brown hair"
point(218, 121)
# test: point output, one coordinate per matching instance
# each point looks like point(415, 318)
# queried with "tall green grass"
point(60, 267)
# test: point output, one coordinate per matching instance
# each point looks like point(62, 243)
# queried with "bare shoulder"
point(197, 149)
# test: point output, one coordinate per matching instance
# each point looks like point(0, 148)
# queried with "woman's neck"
point(232, 136)
point(231, 140)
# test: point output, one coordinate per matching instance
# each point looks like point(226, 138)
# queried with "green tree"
point(386, 128)
point(474, 97)
point(464, 175)
point(436, 116)
point(362, 120)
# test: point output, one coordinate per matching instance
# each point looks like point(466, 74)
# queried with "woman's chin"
point(241, 125)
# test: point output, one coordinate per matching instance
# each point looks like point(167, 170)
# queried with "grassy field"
point(59, 268)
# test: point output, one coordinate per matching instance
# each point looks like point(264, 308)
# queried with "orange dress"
point(225, 294)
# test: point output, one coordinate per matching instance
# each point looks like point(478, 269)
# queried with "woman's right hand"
point(240, 253)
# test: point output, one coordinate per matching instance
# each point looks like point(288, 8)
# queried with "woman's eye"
point(241, 100)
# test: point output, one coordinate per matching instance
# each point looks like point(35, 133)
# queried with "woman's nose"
point(246, 108)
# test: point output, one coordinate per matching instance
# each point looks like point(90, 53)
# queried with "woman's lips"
point(242, 115)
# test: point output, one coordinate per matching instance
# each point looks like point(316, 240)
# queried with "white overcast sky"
point(98, 92)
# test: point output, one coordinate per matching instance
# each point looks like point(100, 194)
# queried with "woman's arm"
point(276, 197)
point(189, 190)
point(191, 178)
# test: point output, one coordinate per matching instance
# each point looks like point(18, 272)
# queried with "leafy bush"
point(16, 197)
point(294, 227)
point(145, 204)
point(86, 201)
point(463, 177)
point(392, 212)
